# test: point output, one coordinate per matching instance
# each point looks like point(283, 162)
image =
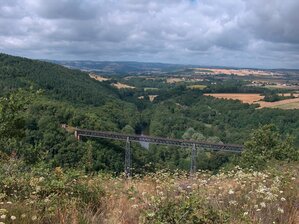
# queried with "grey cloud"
point(214, 32)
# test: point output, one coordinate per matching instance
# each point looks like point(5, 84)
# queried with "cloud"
point(208, 32)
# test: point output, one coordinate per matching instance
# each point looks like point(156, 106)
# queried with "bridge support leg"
point(193, 160)
point(128, 161)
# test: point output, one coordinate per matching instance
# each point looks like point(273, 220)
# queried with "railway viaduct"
point(154, 140)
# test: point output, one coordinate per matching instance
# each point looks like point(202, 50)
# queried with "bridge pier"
point(128, 160)
point(77, 136)
point(193, 160)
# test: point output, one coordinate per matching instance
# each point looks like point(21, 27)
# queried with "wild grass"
point(41, 195)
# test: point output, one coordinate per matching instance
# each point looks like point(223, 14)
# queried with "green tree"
point(267, 144)
point(12, 109)
point(128, 130)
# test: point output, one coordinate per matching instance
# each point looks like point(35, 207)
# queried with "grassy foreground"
point(40, 195)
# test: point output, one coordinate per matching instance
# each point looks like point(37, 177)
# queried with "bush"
point(267, 144)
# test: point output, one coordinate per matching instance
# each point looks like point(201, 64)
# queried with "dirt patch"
point(122, 86)
point(152, 97)
point(98, 78)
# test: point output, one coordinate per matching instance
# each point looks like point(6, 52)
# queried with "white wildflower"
point(245, 213)
point(283, 199)
point(231, 191)
point(134, 206)
point(33, 218)
point(13, 217)
point(3, 216)
point(280, 210)
point(233, 202)
point(263, 204)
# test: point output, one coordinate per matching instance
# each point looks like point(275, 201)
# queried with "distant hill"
point(122, 67)
point(135, 68)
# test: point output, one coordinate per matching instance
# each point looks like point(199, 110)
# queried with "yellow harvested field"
point(257, 98)
point(244, 97)
point(122, 86)
point(282, 104)
point(197, 87)
point(239, 72)
point(98, 78)
point(288, 106)
point(175, 80)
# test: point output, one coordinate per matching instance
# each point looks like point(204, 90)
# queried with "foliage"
point(276, 97)
point(12, 108)
point(267, 144)
point(71, 97)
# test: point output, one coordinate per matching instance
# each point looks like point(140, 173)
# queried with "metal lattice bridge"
point(154, 140)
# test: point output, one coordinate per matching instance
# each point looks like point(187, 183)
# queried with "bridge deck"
point(157, 140)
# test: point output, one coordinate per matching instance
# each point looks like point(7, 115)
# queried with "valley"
point(83, 173)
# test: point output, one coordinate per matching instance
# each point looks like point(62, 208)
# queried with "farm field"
point(150, 88)
point(238, 72)
point(197, 87)
point(244, 97)
point(282, 104)
point(281, 87)
point(257, 98)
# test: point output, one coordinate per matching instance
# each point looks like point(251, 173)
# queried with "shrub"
point(267, 144)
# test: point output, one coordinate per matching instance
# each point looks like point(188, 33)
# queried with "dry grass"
point(228, 197)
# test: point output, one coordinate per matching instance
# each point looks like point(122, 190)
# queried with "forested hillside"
point(59, 95)
point(58, 82)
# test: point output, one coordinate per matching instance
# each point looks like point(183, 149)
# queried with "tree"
point(128, 130)
point(267, 144)
point(11, 119)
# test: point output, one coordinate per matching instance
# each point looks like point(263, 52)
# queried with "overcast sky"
point(242, 33)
